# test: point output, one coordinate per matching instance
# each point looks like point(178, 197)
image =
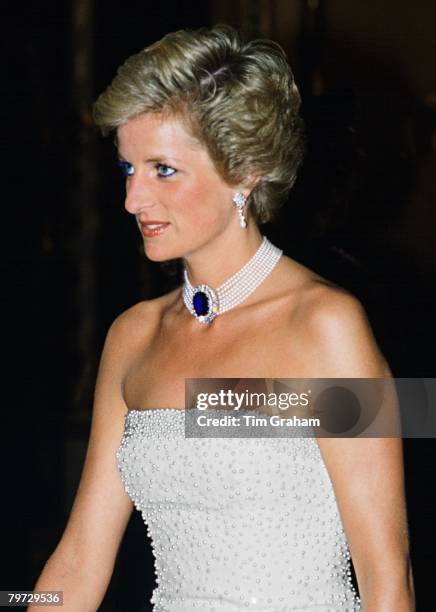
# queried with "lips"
point(153, 228)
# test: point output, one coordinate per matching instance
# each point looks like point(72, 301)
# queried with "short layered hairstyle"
point(237, 98)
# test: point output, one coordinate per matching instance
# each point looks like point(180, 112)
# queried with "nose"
point(138, 195)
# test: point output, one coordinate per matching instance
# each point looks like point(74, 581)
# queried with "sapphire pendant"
point(204, 304)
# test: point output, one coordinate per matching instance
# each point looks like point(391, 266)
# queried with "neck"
point(217, 262)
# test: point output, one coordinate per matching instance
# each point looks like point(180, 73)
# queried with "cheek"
point(204, 204)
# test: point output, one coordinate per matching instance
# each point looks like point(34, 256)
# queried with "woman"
point(210, 140)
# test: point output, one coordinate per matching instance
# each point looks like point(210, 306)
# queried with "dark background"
point(362, 214)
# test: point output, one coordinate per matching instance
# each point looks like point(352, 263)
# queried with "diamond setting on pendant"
point(205, 304)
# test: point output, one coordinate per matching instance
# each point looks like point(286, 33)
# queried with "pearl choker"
point(205, 303)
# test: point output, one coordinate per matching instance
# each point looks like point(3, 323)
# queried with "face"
point(179, 200)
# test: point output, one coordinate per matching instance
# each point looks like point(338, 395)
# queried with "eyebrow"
point(155, 158)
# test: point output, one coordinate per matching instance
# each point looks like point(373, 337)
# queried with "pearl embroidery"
point(235, 523)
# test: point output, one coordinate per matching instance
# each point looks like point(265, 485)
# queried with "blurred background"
point(362, 214)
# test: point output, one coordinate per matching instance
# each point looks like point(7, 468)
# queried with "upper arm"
point(101, 508)
point(367, 473)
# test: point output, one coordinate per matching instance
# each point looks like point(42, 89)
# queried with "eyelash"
point(125, 167)
point(157, 166)
point(128, 170)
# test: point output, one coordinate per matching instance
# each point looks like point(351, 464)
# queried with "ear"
point(249, 184)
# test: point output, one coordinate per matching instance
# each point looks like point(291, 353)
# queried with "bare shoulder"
point(336, 333)
point(137, 325)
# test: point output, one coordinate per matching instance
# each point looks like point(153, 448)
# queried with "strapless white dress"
point(236, 524)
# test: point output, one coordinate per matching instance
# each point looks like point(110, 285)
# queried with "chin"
point(159, 253)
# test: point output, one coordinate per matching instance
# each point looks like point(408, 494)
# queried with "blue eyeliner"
point(126, 168)
point(166, 167)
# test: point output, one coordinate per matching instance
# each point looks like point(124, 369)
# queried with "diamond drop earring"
point(240, 200)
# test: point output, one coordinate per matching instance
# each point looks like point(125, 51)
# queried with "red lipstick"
point(153, 228)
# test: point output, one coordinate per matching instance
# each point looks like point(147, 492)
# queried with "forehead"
point(153, 131)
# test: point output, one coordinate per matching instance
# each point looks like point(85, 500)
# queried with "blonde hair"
point(239, 99)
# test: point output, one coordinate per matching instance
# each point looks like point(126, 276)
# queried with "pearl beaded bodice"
point(236, 523)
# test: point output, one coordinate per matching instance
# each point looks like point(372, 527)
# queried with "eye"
point(164, 171)
point(126, 168)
